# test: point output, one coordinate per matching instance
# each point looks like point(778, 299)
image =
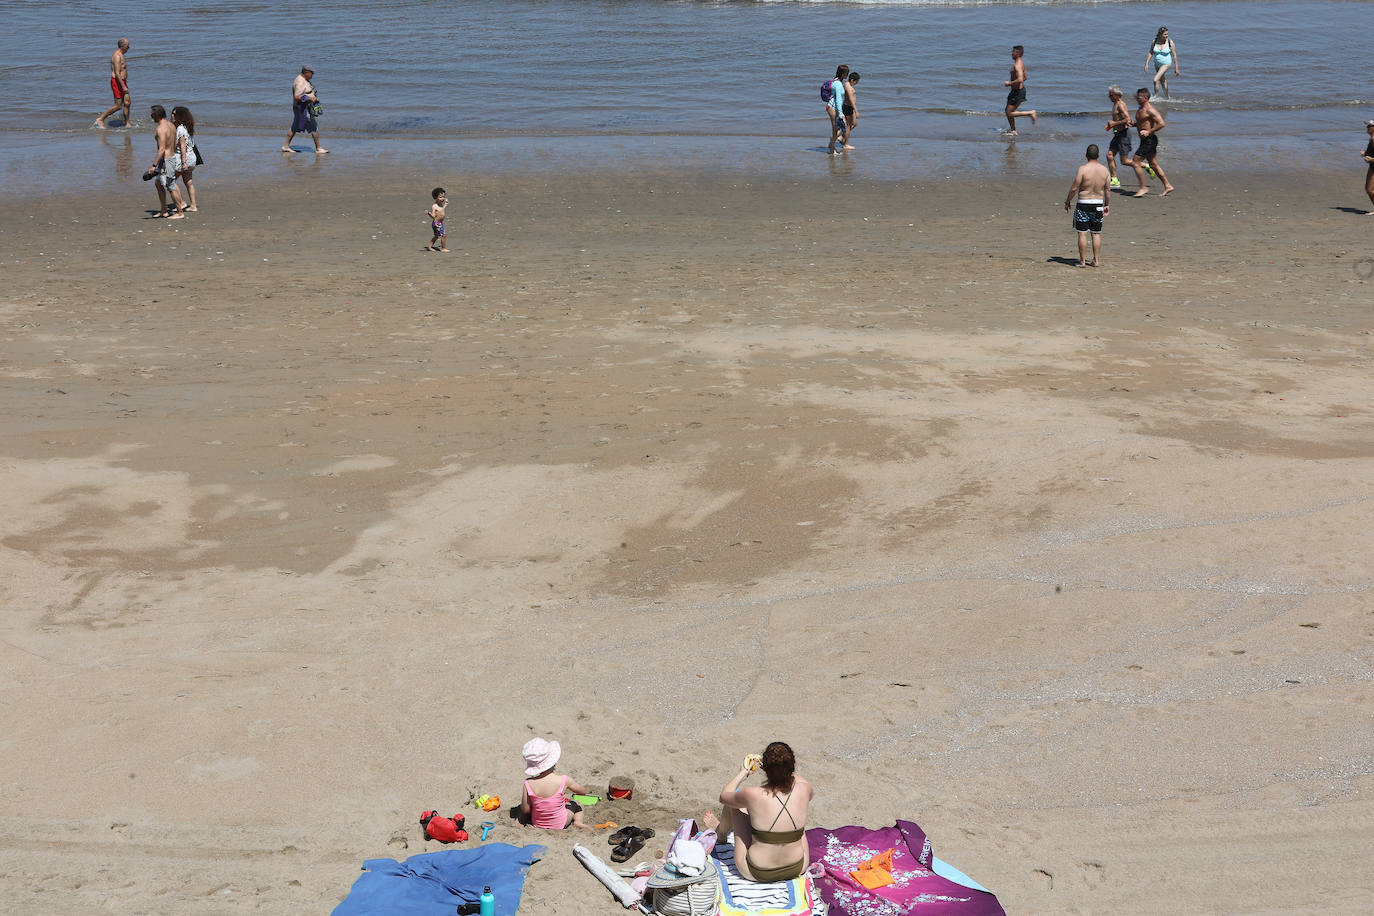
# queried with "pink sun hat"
point(540, 755)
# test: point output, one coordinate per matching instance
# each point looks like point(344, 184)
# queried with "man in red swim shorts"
point(119, 84)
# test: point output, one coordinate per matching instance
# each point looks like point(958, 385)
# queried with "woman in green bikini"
point(769, 823)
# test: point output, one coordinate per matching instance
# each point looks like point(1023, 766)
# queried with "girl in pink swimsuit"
point(545, 801)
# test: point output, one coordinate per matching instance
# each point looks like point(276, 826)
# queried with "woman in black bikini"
point(777, 852)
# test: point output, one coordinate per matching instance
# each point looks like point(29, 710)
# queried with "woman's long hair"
point(779, 765)
point(181, 115)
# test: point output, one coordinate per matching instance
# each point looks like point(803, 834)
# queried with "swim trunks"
point(1121, 143)
point(848, 109)
point(114, 87)
point(167, 177)
point(1087, 216)
point(438, 227)
point(1148, 147)
point(1016, 97)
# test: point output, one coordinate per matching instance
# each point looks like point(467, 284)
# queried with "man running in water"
point(1148, 123)
point(119, 83)
point(1016, 92)
point(1120, 126)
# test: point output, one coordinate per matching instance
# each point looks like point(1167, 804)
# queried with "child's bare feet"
point(177, 215)
point(1035, 115)
point(444, 250)
point(1141, 193)
point(1167, 189)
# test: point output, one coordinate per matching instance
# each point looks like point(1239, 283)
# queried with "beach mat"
point(922, 883)
point(436, 883)
point(740, 897)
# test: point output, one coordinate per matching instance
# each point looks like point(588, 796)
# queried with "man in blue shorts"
point(1090, 187)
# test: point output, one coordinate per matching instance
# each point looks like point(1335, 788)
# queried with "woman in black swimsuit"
point(1369, 160)
point(776, 852)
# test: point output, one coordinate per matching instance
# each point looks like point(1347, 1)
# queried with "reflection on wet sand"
point(123, 149)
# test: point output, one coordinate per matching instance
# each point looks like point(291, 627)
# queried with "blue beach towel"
point(435, 883)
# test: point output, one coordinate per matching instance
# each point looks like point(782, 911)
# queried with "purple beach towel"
point(918, 889)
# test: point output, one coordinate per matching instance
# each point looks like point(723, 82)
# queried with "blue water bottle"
point(488, 903)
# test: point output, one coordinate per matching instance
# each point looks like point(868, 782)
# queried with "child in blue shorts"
point(436, 220)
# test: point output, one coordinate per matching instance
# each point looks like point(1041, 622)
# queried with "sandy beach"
point(304, 530)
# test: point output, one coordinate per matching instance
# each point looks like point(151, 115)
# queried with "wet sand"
point(306, 530)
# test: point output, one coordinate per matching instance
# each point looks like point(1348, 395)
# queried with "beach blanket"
point(739, 897)
point(437, 883)
point(922, 885)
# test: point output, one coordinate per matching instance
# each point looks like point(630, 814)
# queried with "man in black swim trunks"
point(1016, 92)
point(1090, 187)
point(1148, 123)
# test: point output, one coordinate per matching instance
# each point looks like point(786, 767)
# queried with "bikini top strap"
point(784, 809)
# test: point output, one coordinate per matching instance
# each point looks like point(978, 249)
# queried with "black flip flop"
point(625, 833)
point(628, 848)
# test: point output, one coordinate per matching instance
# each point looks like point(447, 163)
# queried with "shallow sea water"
point(515, 84)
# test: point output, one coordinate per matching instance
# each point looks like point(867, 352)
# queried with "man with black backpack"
point(835, 92)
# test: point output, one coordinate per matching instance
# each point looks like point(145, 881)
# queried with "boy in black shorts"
point(850, 108)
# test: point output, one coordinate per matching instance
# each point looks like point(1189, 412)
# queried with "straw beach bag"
point(687, 884)
point(699, 899)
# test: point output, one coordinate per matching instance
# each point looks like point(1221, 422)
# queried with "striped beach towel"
point(739, 897)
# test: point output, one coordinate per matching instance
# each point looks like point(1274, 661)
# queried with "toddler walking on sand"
point(436, 220)
point(546, 800)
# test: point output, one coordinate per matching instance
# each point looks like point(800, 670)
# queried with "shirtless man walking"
point(303, 121)
point(119, 83)
point(1090, 187)
point(165, 167)
point(1016, 92)
point(1148, 123)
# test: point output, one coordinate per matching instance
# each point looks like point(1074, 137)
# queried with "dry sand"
point(304, 530)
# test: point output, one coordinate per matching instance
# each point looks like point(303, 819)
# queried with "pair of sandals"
point(628, 841)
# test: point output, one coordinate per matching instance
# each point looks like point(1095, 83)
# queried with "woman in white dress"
point(185, 158)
